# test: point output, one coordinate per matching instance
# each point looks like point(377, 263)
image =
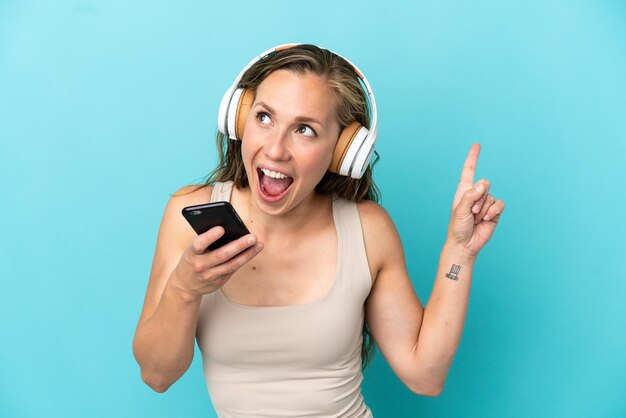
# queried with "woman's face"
point(289, 139)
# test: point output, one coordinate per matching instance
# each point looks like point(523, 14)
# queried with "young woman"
point(283, 316)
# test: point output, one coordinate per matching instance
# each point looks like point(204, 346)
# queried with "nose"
point(277, 146)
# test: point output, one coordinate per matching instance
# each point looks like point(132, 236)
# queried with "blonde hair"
point(351, 105)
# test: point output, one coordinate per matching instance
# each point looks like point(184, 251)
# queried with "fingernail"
point(480, 188)
point(251, 240)
point(475, 209)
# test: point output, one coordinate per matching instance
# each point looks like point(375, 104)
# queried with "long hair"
point(351, 105)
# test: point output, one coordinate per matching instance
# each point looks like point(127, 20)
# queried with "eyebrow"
point(298, 118)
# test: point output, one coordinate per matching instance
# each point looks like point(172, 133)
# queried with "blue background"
point(106, 108)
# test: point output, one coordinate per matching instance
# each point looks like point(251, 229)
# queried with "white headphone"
point(355, 145)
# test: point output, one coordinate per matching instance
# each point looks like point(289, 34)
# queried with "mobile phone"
point(206, 216)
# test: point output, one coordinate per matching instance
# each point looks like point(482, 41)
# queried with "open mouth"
point(272, 184)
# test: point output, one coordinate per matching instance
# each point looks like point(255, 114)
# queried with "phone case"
point(206, 216)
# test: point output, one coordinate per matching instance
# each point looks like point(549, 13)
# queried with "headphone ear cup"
point(243, 109)
point(363, 156)
point(347, 150)
point(223, 112)
point(343, 144)
point(238, 110)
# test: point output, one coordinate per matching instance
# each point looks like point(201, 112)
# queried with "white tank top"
point(291, 361)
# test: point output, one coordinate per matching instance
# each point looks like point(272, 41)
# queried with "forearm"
point(444, 315)
point(163, 344)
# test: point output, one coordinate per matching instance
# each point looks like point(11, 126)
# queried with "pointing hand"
point(475, 213)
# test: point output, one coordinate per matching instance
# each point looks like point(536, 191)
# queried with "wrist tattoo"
point(454, 272)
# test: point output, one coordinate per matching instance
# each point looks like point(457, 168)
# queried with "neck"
point(306, 214)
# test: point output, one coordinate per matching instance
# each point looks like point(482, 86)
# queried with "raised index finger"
point(469, 168)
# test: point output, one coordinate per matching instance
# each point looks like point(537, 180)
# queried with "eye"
point(306, 130)
point(264, 118)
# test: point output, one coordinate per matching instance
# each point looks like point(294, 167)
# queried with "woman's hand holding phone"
point(200, 272)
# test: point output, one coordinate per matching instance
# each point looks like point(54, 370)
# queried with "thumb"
point(470, 197)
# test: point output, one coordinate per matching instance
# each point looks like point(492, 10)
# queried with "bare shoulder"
point(193, 194)
point(370, 211)
point(382, 241)
point(375, 219)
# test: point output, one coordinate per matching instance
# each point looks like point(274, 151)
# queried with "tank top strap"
point(222, 191)
point(350, 237)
